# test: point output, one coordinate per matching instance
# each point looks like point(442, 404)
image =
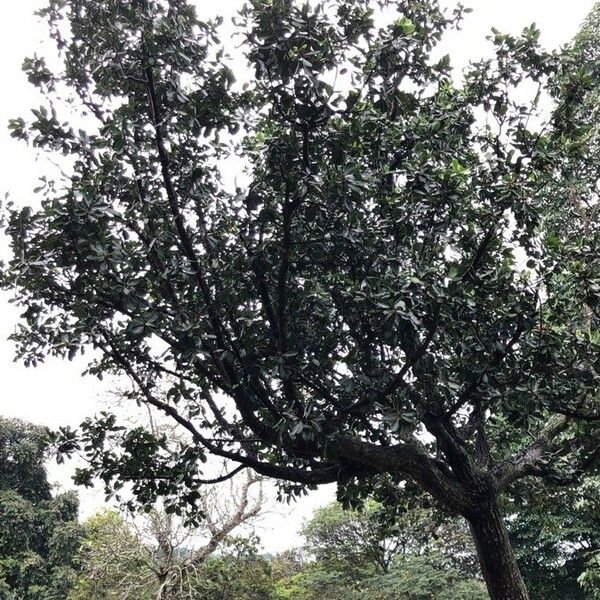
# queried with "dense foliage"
point(361, 555)
point(39, 533)
point(115, 565)
point(112, 562)
point(555, 534)
point(403, 252)
point(366, 554)
point(370, 540)
point(239, 573)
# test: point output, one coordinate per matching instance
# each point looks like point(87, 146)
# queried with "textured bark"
point(496, 556)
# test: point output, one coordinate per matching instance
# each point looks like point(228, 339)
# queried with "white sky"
point(55, 394)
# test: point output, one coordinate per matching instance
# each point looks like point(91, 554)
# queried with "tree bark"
point(496, 557)
point(165, 589)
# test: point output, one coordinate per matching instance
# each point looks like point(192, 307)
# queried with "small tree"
point(355, 540)
point(179, 552)
point(405, 253)
point(157, 556)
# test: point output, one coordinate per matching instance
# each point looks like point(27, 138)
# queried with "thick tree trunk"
point(496, 556)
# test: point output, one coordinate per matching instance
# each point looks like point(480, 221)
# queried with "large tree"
point(402, 283)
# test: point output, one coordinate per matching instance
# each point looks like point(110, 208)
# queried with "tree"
point(356, 539)
point(367, 554)
point(39, 534)
point(556, 534)
point(410, 578)
point(112, 562)
point(156, 555)
point(239, 572)
point(177, 555)
point(402, 286)
point(317, 582)
point(417, 578)
point(369, 540)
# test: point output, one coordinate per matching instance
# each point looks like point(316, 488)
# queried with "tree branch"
point(527, 461)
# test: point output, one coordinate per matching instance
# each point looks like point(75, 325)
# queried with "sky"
point(55, 394)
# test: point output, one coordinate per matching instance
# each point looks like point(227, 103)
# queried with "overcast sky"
point(55, 394)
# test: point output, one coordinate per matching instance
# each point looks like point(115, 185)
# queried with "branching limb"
point(528, 460)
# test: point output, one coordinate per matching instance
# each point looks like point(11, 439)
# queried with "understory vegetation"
point(419, 553)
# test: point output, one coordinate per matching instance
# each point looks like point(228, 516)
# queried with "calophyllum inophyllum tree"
point(406, 287)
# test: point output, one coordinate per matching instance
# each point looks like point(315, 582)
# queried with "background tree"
point(112, 562)
point(157, 555)
point(39, 533)
point(418, 578)
point(366, 554)
point(370, 539)
point(179, 551)
point(555, 533)
point(238, 572)
point(398, 259)
point(409, 577)
point(350, 538)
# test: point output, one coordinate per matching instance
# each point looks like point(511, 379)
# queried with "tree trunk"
point(496, 556)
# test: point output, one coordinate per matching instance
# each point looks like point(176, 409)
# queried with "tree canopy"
point(39, 533)
point(556, 532)
point(370, 541)
point(363, 555)
point(401, 282)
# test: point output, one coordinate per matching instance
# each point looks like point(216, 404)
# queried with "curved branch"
point(412, 461)
point(527, 461)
